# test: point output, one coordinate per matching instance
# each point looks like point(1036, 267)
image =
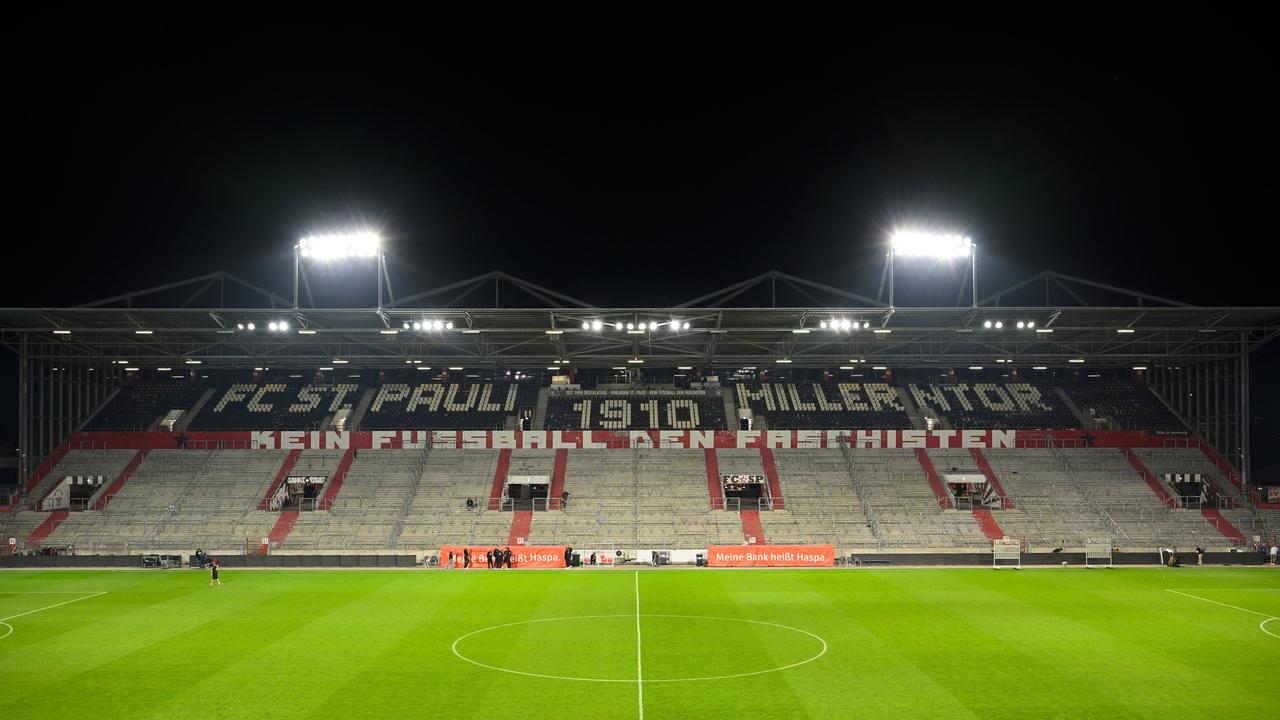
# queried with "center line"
point(639, 665)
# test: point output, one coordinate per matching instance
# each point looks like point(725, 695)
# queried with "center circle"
point(671, 648)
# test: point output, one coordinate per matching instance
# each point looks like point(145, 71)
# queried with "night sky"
point(644, 158)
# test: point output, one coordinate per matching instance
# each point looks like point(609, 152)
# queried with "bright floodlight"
point(333, 247)
point(926, 244)
point(596, 325)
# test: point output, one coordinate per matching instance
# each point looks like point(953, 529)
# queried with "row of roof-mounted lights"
point(999, 324)
point(844, 324)
point(420, 325)
point(273, 326)
point(599, 325)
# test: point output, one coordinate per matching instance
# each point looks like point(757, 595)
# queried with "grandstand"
point(734, 430)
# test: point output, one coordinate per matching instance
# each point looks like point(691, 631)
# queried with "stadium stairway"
point(985, 467)
point(988, 523)
point(752, 530)
point(714, 490)
point(935, 482)
point(771, 474)
point(1085, 420)
point(51, 523)
point(190, 414)
point(521, 524)
point(913, 413)
point(334, 486)
point(362, 407)
point(42, 472)
point(499, 479)
point(1224, 526)
point(557, 477)
point(286, 467)
point(1149, 478)
point(1221, 463)
point(281, 529)
point(110, 491)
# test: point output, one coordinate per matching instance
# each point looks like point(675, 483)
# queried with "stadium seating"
point(451, 406)
point(293, 405)
point(808, 406)
point(138, 406)
point(415, 501)
point(643, 500)
point(821, 504)
point(1000, 406)
point(652, 410)
point(1123, 406)
point(180, 500)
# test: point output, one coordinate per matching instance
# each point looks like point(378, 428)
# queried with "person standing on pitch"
point(506, 556)
point(466, 558)
point(213, 573)
point(488, 559)
point(450, 565)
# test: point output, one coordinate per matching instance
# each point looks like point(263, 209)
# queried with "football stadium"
point(620, 472)
point(772, 412)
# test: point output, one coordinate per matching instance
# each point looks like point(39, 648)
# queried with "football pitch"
point(656, 644)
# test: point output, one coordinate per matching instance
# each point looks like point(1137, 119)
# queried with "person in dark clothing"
point(568, 553)
point(466, 557)
point(488, 559)
point(506, 556)
point(213, 577)
point(564, 500)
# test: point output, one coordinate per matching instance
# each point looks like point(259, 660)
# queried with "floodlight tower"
point(338, 247)
point(938, 246)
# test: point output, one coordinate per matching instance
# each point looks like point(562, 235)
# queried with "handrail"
point(867, 510)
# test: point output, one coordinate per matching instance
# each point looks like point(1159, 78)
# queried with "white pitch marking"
point(806, 661)
point(50, 607)
point(8, 633)
point(1261, 626)
point(639, 665)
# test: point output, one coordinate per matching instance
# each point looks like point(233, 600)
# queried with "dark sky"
point(647, 157)
point(644, 159)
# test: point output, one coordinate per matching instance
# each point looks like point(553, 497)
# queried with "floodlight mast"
point(363, 244)
point(940, 246)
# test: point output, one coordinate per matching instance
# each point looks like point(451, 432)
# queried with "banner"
point(626, 440)
point(522, 556)
point(1273, 494)
point(771, 556)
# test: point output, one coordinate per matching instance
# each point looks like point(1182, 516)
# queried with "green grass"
point(971, 643)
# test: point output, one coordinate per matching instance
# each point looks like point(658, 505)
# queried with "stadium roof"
point(197, 320)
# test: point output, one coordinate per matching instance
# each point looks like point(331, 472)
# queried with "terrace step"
point(935, 482)
point(521, 524)
point(557, 478)
point(50, 523)
point(771, 474)
point(286, 467)
point(714, 489)
point(990, 473)
point(281, 529)
point(988, 523)
point(752, 530)
point(1224, 526)
point(499, 479)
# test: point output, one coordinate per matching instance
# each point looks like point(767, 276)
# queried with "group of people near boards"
point(494, 558)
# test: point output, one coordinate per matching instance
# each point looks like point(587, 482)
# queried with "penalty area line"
point(1261, 626)
point(50, 607)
